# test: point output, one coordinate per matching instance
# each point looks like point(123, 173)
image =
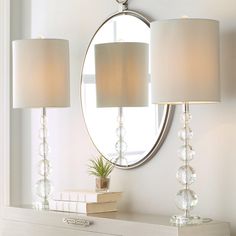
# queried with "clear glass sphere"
point(121, 132)
point(121, 146)
point(186, 153)
point(43, 133)
point(185, 118)
point(44, 168)
point(43, 120)
point(185, 134)
point(186, 199)
point(43, 149)
point(120, 119)
point(186, 175)
point(43, 188)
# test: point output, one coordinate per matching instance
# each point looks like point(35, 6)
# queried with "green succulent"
point(100, 167)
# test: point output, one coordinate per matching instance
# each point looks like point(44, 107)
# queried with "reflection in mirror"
point(144, 126)
point(121, 81)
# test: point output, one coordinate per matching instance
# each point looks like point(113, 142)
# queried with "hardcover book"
point(82, 207)
point(87, 196)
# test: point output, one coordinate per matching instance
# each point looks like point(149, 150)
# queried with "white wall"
point(152, 187)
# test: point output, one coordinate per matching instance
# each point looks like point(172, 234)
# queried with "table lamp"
point(121, 81)
point(185, 70)
point(41, 80)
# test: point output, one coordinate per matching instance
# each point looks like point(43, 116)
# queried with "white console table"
point(28, 222)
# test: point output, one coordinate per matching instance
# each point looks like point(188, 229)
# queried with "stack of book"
point(85, 202)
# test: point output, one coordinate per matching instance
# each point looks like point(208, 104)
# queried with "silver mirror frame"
point(168, 109)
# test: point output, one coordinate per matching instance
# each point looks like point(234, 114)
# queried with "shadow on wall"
point(228, 94)
point(20, 19)
point(20, 121)
point(228, 66)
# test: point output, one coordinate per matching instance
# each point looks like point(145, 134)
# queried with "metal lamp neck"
point(185, 107)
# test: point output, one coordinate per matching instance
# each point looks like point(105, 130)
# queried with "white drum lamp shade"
point(185, 61)
point(41, 73)
point(122, 74)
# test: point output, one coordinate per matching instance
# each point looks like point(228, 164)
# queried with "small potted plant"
point(101, 169)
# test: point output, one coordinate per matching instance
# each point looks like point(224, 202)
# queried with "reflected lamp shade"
point(185, 61)
point(122, 74)
point(41, 73)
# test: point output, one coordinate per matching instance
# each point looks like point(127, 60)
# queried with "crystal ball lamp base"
point(186, 199)
point(43, 205)
point(43, 187)
point(181, 220)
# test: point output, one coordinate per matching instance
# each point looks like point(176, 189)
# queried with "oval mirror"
point(136, 138)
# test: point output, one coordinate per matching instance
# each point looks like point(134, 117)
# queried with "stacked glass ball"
point(43, 185)
point(121, 146)
point(186, 199)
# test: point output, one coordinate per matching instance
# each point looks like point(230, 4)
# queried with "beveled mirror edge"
point(168, 109)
